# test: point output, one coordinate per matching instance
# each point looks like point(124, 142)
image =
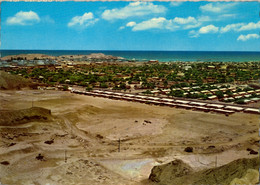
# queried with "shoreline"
point(144, 56)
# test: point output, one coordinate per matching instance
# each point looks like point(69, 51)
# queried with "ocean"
point(162, 56)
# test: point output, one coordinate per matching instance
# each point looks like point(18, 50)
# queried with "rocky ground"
point(79, 142)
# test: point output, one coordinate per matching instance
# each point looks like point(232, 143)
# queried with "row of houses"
point(213, 91)
point(177, 103)
point(249, 96)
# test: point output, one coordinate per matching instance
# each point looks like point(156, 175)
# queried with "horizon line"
point(119, 50)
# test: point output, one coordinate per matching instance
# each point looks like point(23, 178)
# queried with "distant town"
point(228, 82)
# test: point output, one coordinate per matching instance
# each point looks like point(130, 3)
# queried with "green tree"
point(103, 85)
point(219, 94)
point(65, 88)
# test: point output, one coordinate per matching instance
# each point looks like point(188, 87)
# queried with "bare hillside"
point(16, 117)
point(9, 81)
point(177, 172)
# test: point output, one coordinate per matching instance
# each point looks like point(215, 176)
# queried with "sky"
point(171, 26)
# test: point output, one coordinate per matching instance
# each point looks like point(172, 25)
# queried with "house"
point(153, 62)
point(205, 92)
point(211, 67)
point(255, 99)
point(212, 97)
point(186, 68)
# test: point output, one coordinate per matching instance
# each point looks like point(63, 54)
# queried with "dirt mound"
point(16, 117)
point(170, 174)
point(170, 171)
point(9, 82)
point(225, 174)
point(251, 177)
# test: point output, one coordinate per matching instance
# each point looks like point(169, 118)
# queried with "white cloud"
point(171, 24)
point(217, 7)
point(190, 26)
point(131, 24)
point(85, 20)
point(163, 23)
point(216, 17)
point(158, 23)
point(230, 27)
point(250, 26)
point(208, 29)
point(204, 30)
point(187, 23)
point(247, 37)
point(176, 3)
point(240, 27)
point(187, 20)
point(23, 18)
point(132, 10)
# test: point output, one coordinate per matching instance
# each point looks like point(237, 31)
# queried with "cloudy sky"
point(195, 26)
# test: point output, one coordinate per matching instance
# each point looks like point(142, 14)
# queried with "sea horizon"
point(160, 55)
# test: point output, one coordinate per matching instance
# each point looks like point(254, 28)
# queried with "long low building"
point(167, 100)
point(197, 103)
point(227, 112)
point(170, 104)
point(201, 106)
point(252, 110)
point(182, 101)
point(214, 106)
point(234, 108)
point(154, 98)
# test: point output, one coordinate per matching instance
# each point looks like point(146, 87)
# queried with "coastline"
point(161, 56)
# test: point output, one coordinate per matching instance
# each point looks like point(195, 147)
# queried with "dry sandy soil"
point(85, 133)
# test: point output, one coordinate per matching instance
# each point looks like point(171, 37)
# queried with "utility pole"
point(71, 129)
point(65, 156)
point(119, 145)
point(216, 161)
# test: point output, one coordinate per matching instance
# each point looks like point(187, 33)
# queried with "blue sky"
point(195, 26)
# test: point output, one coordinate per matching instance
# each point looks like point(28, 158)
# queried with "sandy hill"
point(91, 56)
point(177, 172)
point(9, 81)
point(16, 117)
point(27, 57)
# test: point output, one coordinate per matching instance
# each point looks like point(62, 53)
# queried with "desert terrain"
point(78, 143)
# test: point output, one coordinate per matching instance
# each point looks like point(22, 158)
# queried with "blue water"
point(162, 56)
